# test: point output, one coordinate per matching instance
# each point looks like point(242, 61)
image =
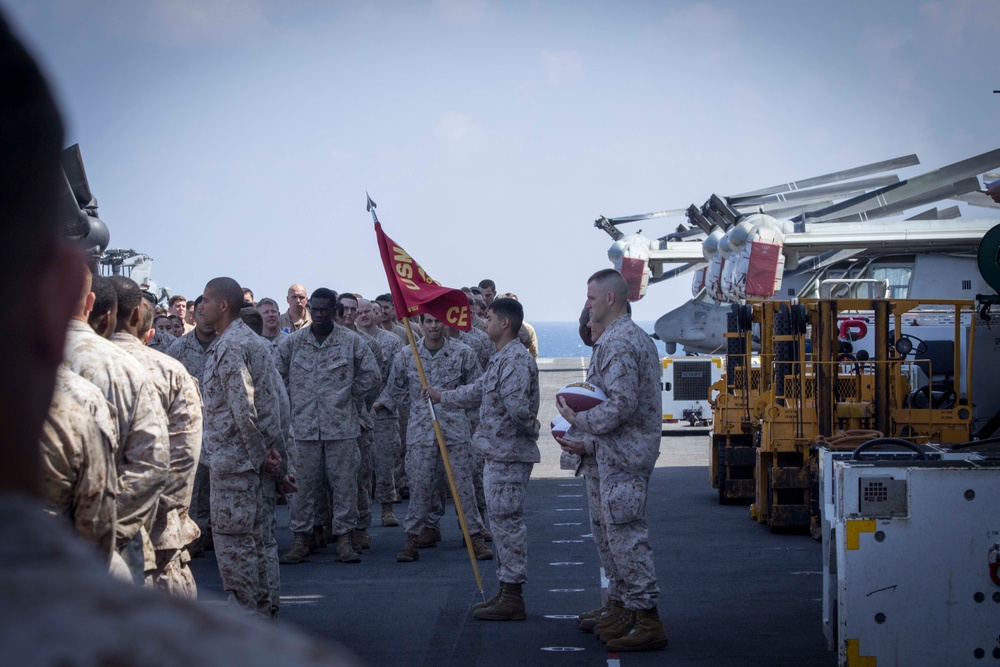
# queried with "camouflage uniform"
point(191, 353)
point(366, 441)
point(270, 490)
point(527, 336)
point(172, 528)
point(507, 438)
point(61, 608)
point(161, 341)
point(325, 383)
point(586, 466)
point(451, 366)
point(484, 349)
point(285, 322)
point(142, 454)
point(386, 424)
point(626, 427)
point(78, 459)
point(242, 422)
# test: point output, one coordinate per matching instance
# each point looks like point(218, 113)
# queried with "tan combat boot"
point(480, 549)
point(360, 539)
point(486, 535)
point(487, 603)
point(646, 634)
point(428, 538)
point(389, 519)
point(624, 623)
point(410, 551)
point(508, 606)
point(587, 621)
point(299, 553)
point(345, 552)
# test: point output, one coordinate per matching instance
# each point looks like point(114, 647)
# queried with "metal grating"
point(692, 380)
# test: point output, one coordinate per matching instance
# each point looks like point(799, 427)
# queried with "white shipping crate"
point(917, 559)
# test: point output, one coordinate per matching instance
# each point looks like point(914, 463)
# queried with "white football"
point(582, 396)
point(559, 427)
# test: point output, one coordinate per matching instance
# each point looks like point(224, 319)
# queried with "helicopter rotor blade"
point(944, 183)
point(647, 216)
point(835, 177)
point(828, 191)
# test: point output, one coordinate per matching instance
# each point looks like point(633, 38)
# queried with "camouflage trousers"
point(269, 493)
point(623, 509)
point(506, 486)
point(237, 522)
point(426, 473)
point(366, 445)
point(478, 462)
point(200, 505)
point(399, 471)
point(597, 529)
point(386, 450)
point(173, 574)
point(322, 462)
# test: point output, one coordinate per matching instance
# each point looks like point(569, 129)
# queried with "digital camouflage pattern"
point(506, 487)
point(318, 463)
point(173, 529)
point(191, 353)
point(325, 381)
point(78, 465)
point(507, 395)
point(330, 385)
point(626, 430)
point(142, 453)
point(452, 366)
point(242, 422)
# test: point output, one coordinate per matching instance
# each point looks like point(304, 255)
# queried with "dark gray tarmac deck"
point(731, 593)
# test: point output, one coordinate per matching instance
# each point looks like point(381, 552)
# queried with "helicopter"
point(78, 212)
point(826, 236)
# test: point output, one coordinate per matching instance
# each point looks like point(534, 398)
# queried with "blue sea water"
point(562, 339)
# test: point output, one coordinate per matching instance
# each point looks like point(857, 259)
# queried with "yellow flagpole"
point(444, 458)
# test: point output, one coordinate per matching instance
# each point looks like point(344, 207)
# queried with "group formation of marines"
point(250, 406)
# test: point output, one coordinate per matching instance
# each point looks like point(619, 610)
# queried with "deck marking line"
point(558, 649)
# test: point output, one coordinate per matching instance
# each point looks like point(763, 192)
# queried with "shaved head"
point(228, 290)
point(609, 280)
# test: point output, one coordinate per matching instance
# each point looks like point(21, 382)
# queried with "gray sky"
point(238, 137)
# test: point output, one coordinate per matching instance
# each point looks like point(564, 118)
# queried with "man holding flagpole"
point(507, 395)
point(447, 364)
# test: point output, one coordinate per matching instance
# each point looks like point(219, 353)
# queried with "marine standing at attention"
point(242, 437)
point(624, 433)
point(507, 438)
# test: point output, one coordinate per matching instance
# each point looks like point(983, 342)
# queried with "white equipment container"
point(914, 549)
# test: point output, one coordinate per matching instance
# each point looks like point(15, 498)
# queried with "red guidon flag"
point(415, 292)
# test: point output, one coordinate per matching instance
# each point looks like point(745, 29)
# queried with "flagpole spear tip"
point(371, 206)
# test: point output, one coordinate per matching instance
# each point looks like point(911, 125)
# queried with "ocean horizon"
point(562, 339)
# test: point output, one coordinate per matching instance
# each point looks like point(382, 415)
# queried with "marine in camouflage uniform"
point(386, 423)
point(484, 348)
point(142, 454)
point(242, 423)
point(271, 487)
point(366, 446)
point(78, 443)
point(453, 365)
point(325, 382)
point(161, 341)
point(507, 438)
point(191, 352)
point(173, 529)
point(625, 440)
